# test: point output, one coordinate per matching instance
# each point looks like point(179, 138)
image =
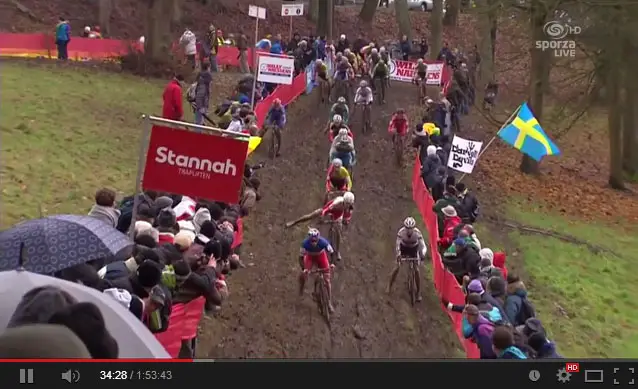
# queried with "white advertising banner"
point(464, 154)
point(404, 71)
point(434, 73)
point(276, 70)
point(292, 9)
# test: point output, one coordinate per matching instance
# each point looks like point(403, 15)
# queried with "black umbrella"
point(58, 242)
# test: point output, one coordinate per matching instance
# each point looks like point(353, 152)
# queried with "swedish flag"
point(527, 135)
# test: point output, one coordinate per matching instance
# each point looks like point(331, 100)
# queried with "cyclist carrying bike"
point(276, 118)
point(314, 251)
point(338, 177)
point(409, 244)
point(343, 148)
point(340, 108)
point(380, 72)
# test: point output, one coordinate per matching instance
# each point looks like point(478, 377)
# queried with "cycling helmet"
point(347, 52)
point(343, 132)
point(337, 118)
point(319, 62)
point(337, 163)
point(374, 51)
point(381, 62)
point(382, 49)
point(348, 198)
point(341, 100)
point(400, 111)
point(313, 233)
point(276, 102)
point(409, 222)
point(420, 60)
point(339, 55)
point(363, 83)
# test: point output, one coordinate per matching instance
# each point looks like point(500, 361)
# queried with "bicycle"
point(341, 90)
point(324, 91)
point(365, 118)
point(275, 140)
point(421, 85)
point(320, 293)
point(398, 143)
point(381, 90)
point(412, 274)
point(334, 237)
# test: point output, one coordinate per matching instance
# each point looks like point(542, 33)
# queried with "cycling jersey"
point(360, 98)
point(321, 68)
point(398, 124)
point(316, 253)
point(340, 109)
point(276, 116)
point(337, 209)
point(421, 70)
point(409, 244)
point(334, 131)
point(380, 70)
point(308, 247)
point(340, 174)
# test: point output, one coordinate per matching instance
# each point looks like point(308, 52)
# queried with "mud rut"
point(264, 316)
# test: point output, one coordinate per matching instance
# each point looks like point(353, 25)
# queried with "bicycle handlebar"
point(409, 259)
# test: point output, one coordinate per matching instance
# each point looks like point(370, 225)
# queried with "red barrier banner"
point(444, 281)
point(195, 164)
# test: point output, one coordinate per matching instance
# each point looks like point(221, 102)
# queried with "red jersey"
point(337, 209)
point(398, 124)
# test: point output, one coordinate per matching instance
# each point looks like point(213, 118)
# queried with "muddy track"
point(264, 316)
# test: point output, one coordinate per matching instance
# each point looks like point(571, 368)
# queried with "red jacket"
point(448, 231)
point(398, 125)
point(172, 108)
point(499, 261)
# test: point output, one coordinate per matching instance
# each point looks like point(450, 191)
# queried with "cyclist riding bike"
point(373, 59)
point(409, 244)
point(420, 71)
point(314, 251)
point(338, 178)
point(380, 72)
point(276, 118)
point(340, 108)
point(339, 208)
point(343, 148)
point(363, 95)
point(321, 71)
point(335, 126)
point(398, 124)
point(341, 69)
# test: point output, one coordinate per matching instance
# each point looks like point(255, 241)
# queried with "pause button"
point(26, 376)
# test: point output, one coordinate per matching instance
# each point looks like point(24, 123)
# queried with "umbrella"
point(58, 242)
point(132, 336)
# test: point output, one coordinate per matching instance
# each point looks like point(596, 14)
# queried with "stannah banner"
point(195, 164)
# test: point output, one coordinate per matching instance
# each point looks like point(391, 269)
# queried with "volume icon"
point(71, 376)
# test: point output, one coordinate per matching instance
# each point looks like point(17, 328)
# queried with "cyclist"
point(338, 177)
point(409, 244)
point(398, 124)
point(321, 71)
point(340, 108)
point(343, 148)
point(385, 56)
point(335, 126)
point(373, 59)
point(276, 118)
point(339, 208)
point(420, 71)
point(380, 72)
point(363, 95)
point(314, 251)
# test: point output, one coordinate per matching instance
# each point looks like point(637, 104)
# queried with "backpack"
point(223, 108)
point(190, 92)
point(126, 214)
point(527, 311)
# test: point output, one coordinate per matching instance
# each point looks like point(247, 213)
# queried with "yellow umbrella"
point(253, 142)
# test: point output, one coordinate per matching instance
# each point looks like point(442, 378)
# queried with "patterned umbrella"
point(58, 242)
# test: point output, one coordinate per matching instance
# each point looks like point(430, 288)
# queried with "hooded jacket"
point(516, 293)
point(512, 352)
point(481, 333)
point(108, 215)
point(430, 165)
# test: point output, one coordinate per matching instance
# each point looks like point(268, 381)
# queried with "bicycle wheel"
point(325, 303)
point(271, 149)
point(397, 149)
point(412, 283)
point(317, 294)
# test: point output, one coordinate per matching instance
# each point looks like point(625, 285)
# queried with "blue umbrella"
point(58, 242)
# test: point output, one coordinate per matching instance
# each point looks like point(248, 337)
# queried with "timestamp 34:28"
point(136, 375)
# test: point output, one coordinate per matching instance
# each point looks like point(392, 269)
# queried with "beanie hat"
point(149, 274)
point(87, 322)
point(41, 341)
point(162, 202)
point(460, 242)
point(184, 239)
point(202, 215)
point(487, 254)
point(166, 218)
point(208, 229)
point(475, 286)
point(145, 211)
point(39, 304)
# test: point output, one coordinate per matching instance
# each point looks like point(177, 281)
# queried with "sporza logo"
point(192, 166)
point(557, 31)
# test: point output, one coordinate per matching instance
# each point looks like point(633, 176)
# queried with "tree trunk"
point(330, 12)
point(539, 67)
point(368, 10)
point(629, 106)
point(614, 122)
point(177, 12)
point(322, 21)
point(157, 37)
point(493, 17)
point(486, 49)
point(436, 26)
point(313, 10)
point(451, 17)
point(403, 18)
point(104, 17)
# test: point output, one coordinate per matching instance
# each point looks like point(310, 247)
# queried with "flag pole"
point(493, 138)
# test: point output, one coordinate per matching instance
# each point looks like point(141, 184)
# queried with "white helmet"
point(347, 52)
point(374, 51)
point(343, 132)
point(348, 198)
point(87, 29)
point(382, 49)
point(339, 55)
point(337, 163)
point(319, 62)
point(341, 100)
point(337, 118)
point(409, 222)
point(420, 60)
point(363, 83)
point(342, 36)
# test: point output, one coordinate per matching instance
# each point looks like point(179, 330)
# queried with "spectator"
point(188, 41)
point(104, 208)
point(480, 330)
point(38, 305)
point(167, 225)
point(264, 44)
point(172, 108)
point(406, 48)
point(292, 45)
point(250, 196)
point(202, 92)
point(86, 32)
point(438, 183)
point(430, 165)
point(445, 54)
point(96, 33)
point(450, 221)
point(62, 38)
point(277, 45)
point(242, 46)
point(503, 344)
point(468, 203)
point(449, 199)
point(517, 307)
point(543, 348)
point(423, 48)
point(359, 44)
point(342, 44)
point(486, 267)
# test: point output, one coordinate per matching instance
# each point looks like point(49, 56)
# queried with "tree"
point(313, 10)
point(177, 11)
point(436, 26)
point(539, 69)
point(105, 8)
point(487, 19)
point(158, 38)
point(403, 18)
point(368, 10)
point(451, 17)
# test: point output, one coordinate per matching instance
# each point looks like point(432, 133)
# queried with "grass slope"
point(586, 300)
